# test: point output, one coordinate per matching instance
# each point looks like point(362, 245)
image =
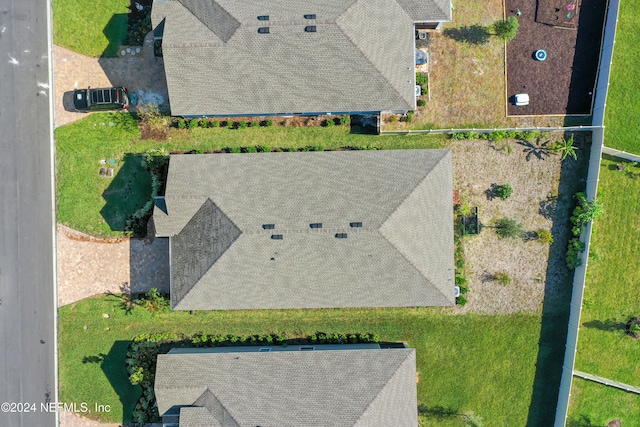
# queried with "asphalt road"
point(27, 322)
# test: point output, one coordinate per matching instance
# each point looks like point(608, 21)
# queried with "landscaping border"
point(597, 146)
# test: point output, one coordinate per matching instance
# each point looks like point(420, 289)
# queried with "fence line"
point(595, 157)
point(621, 154)
point(606, 381)
point(523, 129)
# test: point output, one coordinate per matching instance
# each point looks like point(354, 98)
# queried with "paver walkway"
point(142, 74)
point(88, 266)
point(69, 419)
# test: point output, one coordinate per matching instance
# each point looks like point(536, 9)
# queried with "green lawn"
point(100, 206)
point(595, 405)
point(483, 364)
point(611, 294)
point(623, 100)
point(94, 28)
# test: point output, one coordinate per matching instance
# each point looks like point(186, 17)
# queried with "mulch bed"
point(564, 82)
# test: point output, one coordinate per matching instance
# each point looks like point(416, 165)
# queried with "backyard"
point(623, 103)
point(604, 349)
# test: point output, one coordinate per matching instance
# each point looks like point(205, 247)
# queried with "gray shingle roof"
point(360, 59)
point(317, 388)
point(223, 258)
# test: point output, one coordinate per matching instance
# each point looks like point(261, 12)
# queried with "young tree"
point(507, 28)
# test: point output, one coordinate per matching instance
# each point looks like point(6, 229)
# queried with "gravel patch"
point(478, 165)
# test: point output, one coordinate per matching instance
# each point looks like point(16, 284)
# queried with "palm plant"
point(565, 148)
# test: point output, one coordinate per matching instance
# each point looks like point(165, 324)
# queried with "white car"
point(521, 99)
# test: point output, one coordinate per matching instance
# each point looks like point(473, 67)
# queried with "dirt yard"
point(537, 190)
point(563, 83)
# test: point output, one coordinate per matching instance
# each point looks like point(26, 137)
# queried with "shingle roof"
point(317, 388)
point(223, 258)
point(360, 58)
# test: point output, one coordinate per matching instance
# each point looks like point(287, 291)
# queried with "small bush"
point(544, 236)
point(254, 124)
point(204, 123)
point(461, 300)
point(235, 150)
point(528, 136)
point(329, 123)
point(252, 149)
point(507, 28)
point(344, 120)
point(264, 148)
point(231, 124)
point(508, 228)
point(410, 117)
point(268, 123)
point(422, 79)
point(504, 191)
point(573, 252)
point(242, 125)
point(503, 278)
point(182, 124)
point(422, 102)
point(215, 124)
point(393, 119)
point(457, 136)
point(193, 123)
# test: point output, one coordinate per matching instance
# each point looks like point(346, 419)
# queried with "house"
point(331, 385)
point(309, 229)
point(265, 57)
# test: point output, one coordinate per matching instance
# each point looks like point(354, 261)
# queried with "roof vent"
point(310, 16)
point(355, 224)
point(268, 226)
point(341, 235)
point(263, 30)
point(263, 18)
point(276, 237)
point(310, 29)
point(316, 225)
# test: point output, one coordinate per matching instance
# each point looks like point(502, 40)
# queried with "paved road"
point(27, 332)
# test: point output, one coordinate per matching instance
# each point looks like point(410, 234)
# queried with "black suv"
point(113, 98)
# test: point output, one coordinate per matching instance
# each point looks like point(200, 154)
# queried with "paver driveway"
point(142, 74)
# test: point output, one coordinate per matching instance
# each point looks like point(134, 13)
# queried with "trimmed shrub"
point(503, 278)
point(409, 116)
point(544, 236)
point(507, 28)
point(268, 123)
point(422, 102)
point(252, 149)
point(215, 124)
point(235, 150)
point(242, 125)
point(461, 300)
point(344, 120)
point(504, 191)
point(254, 124)
point(204, 123)
point(182, 124)
point(329, 123)
point(393, 119)
point(422, 79)
point(193, 123)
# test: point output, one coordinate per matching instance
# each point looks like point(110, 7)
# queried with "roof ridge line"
point(395, 373)
point(364, 55)
point(410, 193)
point(224, 408)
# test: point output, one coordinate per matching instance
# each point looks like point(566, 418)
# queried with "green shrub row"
point(584, 212)
point(497, 135)
point(204, 340)
point(181, 123)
